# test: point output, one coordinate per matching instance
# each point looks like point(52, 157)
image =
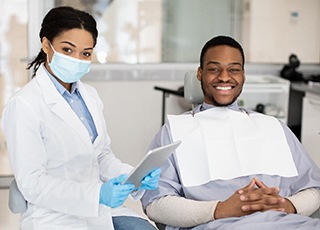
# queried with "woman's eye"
point(87, 54)
point(67, 50)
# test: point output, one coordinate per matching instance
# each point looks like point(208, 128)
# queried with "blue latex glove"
point(151, 181)
point(113, 193)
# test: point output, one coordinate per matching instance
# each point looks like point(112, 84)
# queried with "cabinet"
point(272, 92)
point(310, 130)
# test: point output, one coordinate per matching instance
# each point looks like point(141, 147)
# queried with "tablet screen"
point(154, 159)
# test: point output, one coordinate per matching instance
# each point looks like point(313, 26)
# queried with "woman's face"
point(76, 43)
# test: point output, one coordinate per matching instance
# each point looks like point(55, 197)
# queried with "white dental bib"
point(222, 144)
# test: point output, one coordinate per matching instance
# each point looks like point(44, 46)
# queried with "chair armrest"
point(17, 203)
point(316, 214)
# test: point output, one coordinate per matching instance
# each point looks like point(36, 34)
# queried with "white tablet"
point(154, 159)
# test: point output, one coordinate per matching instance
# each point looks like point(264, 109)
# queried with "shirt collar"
point(59, 87)
point(205, 106)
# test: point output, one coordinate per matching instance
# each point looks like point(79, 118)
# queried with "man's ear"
point(45, 45)
point(199, 73)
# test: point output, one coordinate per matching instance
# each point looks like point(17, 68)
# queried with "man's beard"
point(216, 103)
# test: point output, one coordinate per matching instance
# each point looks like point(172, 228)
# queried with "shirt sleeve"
point(182, 212)
point(306, 202)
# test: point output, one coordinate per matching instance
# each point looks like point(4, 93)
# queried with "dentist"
point(57, 139)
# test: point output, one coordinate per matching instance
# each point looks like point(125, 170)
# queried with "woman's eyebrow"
point(73, 45)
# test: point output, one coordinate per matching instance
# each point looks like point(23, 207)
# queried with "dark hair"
point(57, 21)
point(221, 41)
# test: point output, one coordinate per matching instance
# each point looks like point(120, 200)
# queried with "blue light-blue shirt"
point(78, 105)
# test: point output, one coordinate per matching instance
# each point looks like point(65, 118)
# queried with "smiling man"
point(221, 73)
point(235, 168)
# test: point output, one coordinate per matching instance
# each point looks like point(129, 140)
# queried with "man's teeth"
point(223, 87)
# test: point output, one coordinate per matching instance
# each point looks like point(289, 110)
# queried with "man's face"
point(222, 76)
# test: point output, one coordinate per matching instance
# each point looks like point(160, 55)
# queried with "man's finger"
point(249, 186)
point(259, 183)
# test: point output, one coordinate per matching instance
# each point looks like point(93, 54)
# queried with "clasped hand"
point(255, 197)
point(113, 193)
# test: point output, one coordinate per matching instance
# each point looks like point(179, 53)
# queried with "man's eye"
point(214, 70)
point(234, 70)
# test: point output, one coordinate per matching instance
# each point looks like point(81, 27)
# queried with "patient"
point(235, 168)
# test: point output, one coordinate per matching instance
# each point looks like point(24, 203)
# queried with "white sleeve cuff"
point(181, 212)
point(306, 202)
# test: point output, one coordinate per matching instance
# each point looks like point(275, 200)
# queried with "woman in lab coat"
point(57, 139)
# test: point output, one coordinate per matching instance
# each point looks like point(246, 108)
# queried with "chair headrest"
point(192, 88)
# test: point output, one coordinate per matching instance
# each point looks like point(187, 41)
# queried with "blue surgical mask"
point(68, 69)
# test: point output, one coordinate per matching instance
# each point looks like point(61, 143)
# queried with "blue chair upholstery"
point(17, 203)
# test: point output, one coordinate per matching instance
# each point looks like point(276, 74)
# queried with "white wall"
point(273, 29)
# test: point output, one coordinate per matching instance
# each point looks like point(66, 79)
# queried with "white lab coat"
point(57, 168)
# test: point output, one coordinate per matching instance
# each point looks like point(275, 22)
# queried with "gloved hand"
point(113, 193)
point(151, 181)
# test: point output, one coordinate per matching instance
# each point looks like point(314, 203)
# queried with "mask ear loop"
point(48, 54)
point(51, 46)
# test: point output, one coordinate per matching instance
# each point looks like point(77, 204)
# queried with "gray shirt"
point(309, 176)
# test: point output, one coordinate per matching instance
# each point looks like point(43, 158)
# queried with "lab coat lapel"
point(92, 107)
point(59, 106)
